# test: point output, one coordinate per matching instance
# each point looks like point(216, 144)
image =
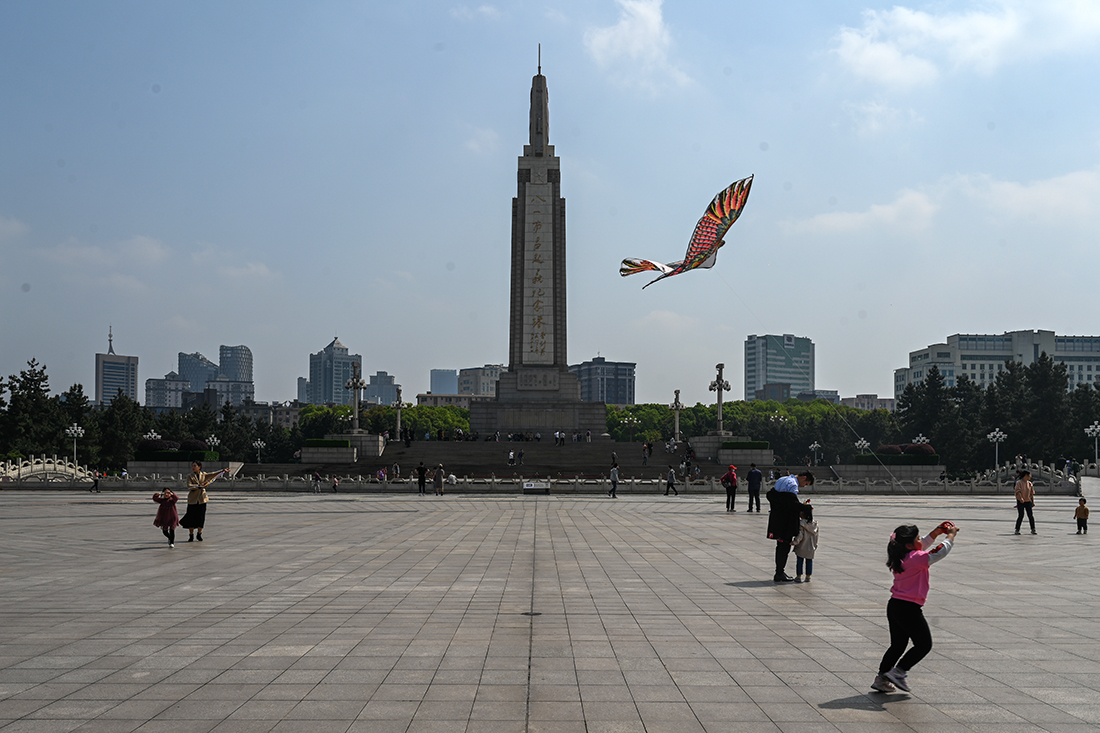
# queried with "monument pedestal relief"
point(538, 393)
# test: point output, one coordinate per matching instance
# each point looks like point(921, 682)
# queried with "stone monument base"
point(487, 418)
point(538, 400)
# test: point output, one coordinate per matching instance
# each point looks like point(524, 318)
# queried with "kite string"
point(806, 374)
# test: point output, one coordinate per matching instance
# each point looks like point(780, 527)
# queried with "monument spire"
point(110, 340)
point(540, 115)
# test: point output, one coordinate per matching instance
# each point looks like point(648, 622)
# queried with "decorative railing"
point(43, 468)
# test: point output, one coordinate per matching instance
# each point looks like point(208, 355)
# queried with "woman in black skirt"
point(195, 518)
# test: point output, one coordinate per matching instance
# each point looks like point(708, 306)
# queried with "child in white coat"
point(806, 543)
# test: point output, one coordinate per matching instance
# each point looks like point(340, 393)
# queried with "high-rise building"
point(480, 381)
point(443, 381)
point(231, 390)
point(606, 381)
point(869, 402)
point(235, 362)
point(381, 389)
point(303, 390)
point(982, 356)
point(115, 373)
point(197, 370)
point(167, 392)
point(329, 370)
point(772, 359)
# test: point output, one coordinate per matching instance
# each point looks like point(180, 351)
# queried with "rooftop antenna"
point(110, 340)
point(540, 59)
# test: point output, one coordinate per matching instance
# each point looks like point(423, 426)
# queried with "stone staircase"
point(482, 459)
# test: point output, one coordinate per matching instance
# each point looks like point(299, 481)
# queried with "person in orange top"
point(1025, 500)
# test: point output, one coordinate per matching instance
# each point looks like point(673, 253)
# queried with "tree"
point(1045, 410)
point(122, 423)
point(33, 422)
point(317, 421)
point(76, 409)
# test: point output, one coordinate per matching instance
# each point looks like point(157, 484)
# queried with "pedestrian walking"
point(729, 483)
point(614, 481)
point(167, 517)
point(316, 478)
point(1082, 515)
point(421, 479)
point(95, 483)
point(1025, 500)
point(335, 484)
point(908, 559)
point(671, 485)
point(197, 499)
point(437, 480)
point(805, 545)
point(756, 478)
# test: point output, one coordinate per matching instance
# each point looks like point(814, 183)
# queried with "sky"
point(276, 173)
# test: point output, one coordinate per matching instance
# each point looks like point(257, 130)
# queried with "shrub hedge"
point(179, 456)
point(746, 445)
point(896, 460)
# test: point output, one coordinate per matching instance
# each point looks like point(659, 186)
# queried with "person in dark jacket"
point(167, 517)
point(783, 522)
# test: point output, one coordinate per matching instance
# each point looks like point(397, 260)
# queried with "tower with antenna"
point(115, 374)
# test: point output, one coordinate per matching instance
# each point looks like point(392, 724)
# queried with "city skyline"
point(192, 181)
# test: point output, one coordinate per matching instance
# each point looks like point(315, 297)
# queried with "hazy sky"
point(276, 173)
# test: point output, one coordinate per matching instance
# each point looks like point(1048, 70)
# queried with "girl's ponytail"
point(898, 548)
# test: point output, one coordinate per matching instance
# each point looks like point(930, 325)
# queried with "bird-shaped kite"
point(703, 248)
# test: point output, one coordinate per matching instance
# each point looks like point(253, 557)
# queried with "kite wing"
point(705, 241)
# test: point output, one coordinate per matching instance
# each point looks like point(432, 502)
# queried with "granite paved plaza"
point(406, 613)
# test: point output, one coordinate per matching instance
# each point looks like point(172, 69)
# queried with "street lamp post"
point(397, 405)
point(355, 384)
point(719, 385)
point(213, 441)
point(152, 435)
point(1093, 431)
point(920, 440)
point(258, 445)
point(997, 437)
point(815, 446)
point(676, 406)
point(630, 421)
point(74, 431)
point(862, 445)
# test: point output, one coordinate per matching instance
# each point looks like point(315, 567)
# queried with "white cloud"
point(871, 118)
point(485, 12)
point(250, 271)
point(1068, 199)
point(139, 251)
point(910, 211)
point(482, 142)
point(634, 51)
point(11, 229)
point(143, 250)
point(76, 254)
point(660, 321)
point(901, 47)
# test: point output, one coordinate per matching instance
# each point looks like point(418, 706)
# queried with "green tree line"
point(33, 422)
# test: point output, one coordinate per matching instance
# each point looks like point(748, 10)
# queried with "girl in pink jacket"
point(909, 560)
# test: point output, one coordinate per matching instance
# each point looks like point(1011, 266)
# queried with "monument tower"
point(538, 393)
